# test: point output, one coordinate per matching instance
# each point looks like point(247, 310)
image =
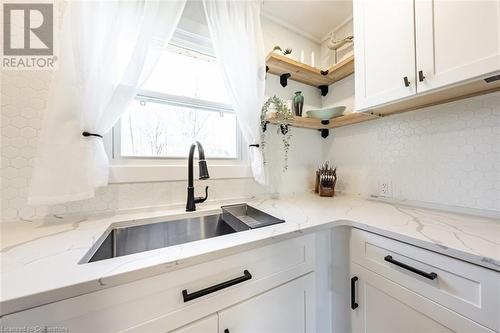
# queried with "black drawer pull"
point(354, 305)
point(189, 297)
point(430, 276)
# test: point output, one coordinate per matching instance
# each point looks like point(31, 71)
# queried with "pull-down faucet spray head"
point(202, 163)
point(203, 170)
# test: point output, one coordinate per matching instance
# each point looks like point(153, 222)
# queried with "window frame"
point(130, 169)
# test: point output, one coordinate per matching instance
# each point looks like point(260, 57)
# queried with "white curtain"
point(236, 33)
point(107, 49)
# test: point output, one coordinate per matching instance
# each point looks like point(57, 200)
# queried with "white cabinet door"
point(384, 51)
point(205, 325)
point(456, 40)
point(385, 306)
point(288, 309)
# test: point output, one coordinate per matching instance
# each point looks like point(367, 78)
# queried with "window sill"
point(160, 173)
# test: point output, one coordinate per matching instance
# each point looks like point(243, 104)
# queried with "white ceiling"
point(316, 18)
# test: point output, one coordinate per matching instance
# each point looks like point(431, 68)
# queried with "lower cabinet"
point(179, 300)
point(288, 308)
point(380, 305)
point(398, 287)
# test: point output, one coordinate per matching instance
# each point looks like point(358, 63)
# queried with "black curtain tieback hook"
point(91, 134)
point(254, 145)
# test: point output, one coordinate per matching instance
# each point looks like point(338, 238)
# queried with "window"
point(183, 100)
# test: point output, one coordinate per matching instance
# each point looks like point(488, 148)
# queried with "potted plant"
point(282, 116)
point(288, 53)
point(277, 49)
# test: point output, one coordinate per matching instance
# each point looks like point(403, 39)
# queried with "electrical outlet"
point(385, 189)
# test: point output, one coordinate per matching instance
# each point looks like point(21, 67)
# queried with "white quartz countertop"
point(39, 262)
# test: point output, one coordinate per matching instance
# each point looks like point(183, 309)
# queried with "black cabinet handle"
point(189, 297)
point(430, 276)
point(354, 305)
point(407, 82)
point(421, 76)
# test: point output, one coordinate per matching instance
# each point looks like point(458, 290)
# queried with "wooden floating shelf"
point(280, 65)
point(312, 123)
point(288, 68)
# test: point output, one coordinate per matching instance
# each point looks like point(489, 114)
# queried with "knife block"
point(324, 191)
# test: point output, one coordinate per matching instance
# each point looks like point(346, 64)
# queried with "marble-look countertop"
point(39, 262)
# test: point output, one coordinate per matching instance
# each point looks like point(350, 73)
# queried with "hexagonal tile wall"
point(24, 96)
point(447, 154)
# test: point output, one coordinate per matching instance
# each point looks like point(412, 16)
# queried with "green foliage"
point(283, 117)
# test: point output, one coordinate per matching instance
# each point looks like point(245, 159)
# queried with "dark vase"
point(298, 103)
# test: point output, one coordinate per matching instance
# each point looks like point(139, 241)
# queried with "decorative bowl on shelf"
point(326, 113)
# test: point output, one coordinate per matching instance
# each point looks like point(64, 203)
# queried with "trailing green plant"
point(283, 117)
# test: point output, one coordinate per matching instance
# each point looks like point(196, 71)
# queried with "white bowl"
point(326, 113)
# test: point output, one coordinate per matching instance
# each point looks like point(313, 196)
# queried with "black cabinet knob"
point(421, 76)
point(406, 81)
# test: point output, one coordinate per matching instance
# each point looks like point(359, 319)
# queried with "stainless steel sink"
point(123, 240)
point(127, 240)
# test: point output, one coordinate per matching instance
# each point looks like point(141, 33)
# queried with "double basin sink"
point(120, 241)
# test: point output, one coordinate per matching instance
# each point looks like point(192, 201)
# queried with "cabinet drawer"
point(385, 306)
point(470, 290)
point(157, 303)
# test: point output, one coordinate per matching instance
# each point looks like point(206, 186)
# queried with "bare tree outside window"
point(155, 135)
point(162, 130)
point(195, 128)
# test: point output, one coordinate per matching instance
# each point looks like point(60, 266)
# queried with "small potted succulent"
point(287, 53)
point(277, 49)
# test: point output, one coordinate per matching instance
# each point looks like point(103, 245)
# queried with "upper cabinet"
point(409, 48)
point(455, 41)
point(384, 51)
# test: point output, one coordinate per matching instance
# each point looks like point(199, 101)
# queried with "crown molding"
point(290, 27)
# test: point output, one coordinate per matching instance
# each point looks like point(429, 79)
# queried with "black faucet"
point(191, 200)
